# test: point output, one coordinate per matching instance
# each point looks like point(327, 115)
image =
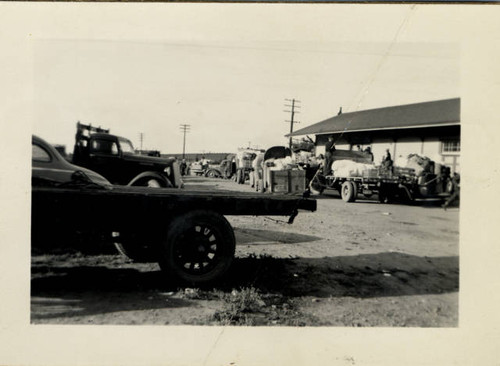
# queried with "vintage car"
point(49, 167)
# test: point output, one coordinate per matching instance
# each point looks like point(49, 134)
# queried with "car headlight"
point(167, 170)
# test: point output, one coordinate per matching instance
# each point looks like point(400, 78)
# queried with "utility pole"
point(141, 138)
point(293, 106)
point(185, 129)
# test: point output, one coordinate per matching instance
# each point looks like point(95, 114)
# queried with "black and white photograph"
point(222, 180)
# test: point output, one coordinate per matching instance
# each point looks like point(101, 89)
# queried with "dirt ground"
point(362, 264)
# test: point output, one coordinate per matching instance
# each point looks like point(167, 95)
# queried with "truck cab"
point(114, 157)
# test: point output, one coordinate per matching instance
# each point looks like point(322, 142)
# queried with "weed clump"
point(248, 307)
point(240, 307)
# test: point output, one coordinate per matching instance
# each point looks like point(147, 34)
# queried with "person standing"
point(183, 167)
point(329, 149)
point(387, 161)
point(368, 151)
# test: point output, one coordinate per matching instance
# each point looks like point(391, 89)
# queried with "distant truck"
point(399, 182)
point(115, 159)
point(209, 170)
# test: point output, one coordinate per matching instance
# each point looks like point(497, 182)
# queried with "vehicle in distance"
point(114, 158)
point(184, 231)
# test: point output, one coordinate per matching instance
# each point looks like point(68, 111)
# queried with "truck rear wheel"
point(198, 248)
point(348, 191)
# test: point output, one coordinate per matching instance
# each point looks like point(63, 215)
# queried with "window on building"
point(450, 146)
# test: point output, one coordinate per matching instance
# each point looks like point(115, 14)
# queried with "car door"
point(104, 158)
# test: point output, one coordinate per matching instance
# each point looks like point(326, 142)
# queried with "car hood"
point(148, 160)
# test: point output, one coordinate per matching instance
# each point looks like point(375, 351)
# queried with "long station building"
point(430, 129)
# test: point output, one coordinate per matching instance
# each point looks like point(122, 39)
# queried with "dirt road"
point(348, 264)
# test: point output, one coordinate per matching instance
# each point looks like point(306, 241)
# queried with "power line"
point(295, 105)
point(185, 129)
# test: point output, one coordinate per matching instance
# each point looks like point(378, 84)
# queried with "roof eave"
point(299, 133)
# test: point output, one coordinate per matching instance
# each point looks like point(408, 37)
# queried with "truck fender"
point(144, 177)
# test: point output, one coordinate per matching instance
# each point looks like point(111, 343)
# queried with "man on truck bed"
point(114, 158)
point(329, 149)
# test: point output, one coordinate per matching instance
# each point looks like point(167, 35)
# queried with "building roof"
point(428, 114)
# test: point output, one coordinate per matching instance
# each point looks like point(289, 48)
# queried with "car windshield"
point(126, 146)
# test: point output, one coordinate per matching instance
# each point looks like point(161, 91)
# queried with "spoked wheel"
point(211, 174)
point(348, 191)
point(199, 247)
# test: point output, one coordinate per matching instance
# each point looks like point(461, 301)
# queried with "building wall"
point(379, 146)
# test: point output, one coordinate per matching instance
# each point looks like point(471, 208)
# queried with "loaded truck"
point(114, 158)
point(387, 184)
point(185, 231)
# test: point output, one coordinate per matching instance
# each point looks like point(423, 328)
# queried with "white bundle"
point(349, 168)
point(418, 163)
point(282, 164)
point(303, 156)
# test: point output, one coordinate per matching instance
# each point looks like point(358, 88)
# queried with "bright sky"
point(230, 84)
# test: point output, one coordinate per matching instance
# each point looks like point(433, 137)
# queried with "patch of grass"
point(248, 307)
point(239, 306)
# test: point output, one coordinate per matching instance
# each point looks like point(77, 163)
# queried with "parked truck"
point(387, 184)
point(114, 158)
point(185, 231)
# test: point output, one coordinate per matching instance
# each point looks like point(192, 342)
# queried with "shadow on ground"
point(363, 276)
point(258, 236)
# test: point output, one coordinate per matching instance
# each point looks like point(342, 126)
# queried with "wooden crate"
point(297, 181)
point(287, 181)
point(278, 181)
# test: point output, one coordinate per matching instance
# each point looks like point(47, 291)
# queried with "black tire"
point(198, 248)
point(348, 191)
